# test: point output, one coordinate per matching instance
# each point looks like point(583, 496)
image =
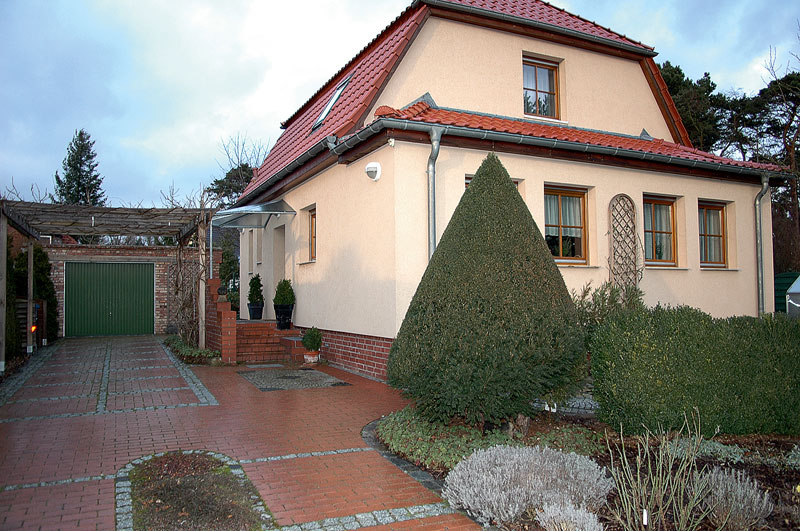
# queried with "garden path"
point(82, 409)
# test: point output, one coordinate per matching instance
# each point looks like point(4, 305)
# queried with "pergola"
point(35, 219)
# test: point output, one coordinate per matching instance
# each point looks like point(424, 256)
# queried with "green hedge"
point(743, 374)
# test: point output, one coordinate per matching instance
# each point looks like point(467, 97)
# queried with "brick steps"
point(244, 341)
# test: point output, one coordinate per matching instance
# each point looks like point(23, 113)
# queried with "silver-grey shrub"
point(500, 483)
point(730, 453)
point(735, 500)
point(567, 518)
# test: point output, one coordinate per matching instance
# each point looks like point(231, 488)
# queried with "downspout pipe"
point(436, 140)
point(760, 242)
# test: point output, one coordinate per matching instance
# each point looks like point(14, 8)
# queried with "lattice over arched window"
point(623, 260)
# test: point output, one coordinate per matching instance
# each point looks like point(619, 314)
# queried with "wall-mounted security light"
point(373, 170)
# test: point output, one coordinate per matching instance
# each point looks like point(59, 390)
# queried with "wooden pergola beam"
point(80, 220)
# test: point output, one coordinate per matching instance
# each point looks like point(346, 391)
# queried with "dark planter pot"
point(256, 310)
point(283, 315)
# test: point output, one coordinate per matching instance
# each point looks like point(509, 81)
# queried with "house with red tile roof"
point(351, 200)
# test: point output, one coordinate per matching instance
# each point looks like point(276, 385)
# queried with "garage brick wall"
point(161, 257)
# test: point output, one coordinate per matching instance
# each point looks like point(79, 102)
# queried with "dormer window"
point(540, 88)
point(331, 102)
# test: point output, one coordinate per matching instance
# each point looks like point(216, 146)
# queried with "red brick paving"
point(84, 505)
point(247, 424)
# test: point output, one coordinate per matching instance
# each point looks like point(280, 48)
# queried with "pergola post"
point(201, 292)
point(30, 296)
point(3, 279)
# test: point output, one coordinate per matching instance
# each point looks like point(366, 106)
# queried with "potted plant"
point(255, 299)
point(284, 304)
point(312, 340)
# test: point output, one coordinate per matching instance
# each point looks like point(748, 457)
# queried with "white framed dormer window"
point(336, 94)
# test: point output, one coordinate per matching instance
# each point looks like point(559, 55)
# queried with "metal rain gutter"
point(514, 138)
point(309, 154)
point(540, 25)
point(760, 243)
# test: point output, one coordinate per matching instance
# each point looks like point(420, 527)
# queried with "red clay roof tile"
point(543, 12)
point(378, 58)
point(424, 113)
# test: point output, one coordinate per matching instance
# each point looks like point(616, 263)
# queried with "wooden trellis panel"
point(623, 260)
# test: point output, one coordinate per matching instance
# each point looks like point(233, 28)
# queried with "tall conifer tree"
point(81, 183)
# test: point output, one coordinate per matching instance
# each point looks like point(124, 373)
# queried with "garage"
point(107, 299)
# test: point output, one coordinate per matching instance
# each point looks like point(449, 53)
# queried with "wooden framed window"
point(711, 224)
point(312, 234)
point(540, 88)
point(659, 231)
point(565, 223)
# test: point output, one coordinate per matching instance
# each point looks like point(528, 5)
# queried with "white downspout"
point(436, 137)
point(760, 242)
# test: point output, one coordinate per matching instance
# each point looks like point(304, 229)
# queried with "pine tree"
point(81, 183)
point(492, 326)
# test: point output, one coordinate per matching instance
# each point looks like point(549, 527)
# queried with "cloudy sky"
point(158, 85)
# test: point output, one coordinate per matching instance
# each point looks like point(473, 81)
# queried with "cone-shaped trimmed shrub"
point(492, 326)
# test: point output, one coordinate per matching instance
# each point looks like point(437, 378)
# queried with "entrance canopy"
point(250, 216)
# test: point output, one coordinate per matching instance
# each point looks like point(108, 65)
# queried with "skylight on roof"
point(331, 102)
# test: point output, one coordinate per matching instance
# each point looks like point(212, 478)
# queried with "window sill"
point(710, 268)
point(545, 119)
point(308, 262)
point(666, 268)
point(576, 266)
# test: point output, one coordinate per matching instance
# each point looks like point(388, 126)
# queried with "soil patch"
point(194, 491)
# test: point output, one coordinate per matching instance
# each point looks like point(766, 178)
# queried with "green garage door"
point(108, 299)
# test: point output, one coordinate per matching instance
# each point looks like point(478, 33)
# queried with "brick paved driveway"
point(83, 409)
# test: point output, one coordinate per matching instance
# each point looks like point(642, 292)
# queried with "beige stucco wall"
point(351, 285)
point(479, 69)
point(372, 236)
point(719, 292)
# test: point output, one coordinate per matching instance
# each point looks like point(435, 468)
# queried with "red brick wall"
point(161, 257)
point(220, 323)
point(362, 354)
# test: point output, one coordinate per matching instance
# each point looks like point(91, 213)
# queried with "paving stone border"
point(200, 390)
point(14, 383)
point(373, 518)
point(124, 502)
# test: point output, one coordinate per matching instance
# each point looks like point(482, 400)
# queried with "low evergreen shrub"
point(284, 293)
point(595, 305)
point(491, 326)
point(187, 353)
point(500, 483)
point(434, 445)
point(651, 367)
point(256, 294)
point(312, 339)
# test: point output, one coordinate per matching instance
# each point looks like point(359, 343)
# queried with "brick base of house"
point(367, 355)
point(259, 341)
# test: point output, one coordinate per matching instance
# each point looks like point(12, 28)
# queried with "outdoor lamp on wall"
point(373, 170)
